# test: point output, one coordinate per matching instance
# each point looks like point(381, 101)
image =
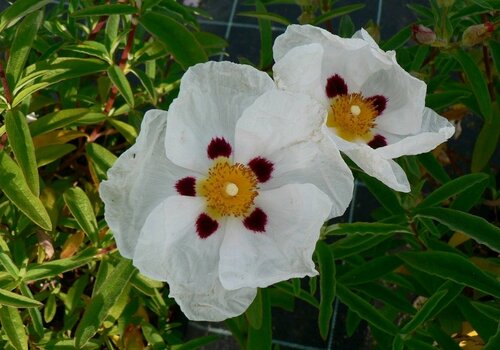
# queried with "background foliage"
point(76, 78)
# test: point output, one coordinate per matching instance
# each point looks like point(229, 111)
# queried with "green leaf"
point(433, 167)
point(337, 12)
point(13, 327)
point(365, 228)
point(106, 10)
point(79, 205)
point(35, 314)
point(487, 141)
point(92, 48)
point(261, 337)
point(14, 186)
point(266, 16)
point(454, 267)
point(386, 295)
point(370, 270)
point(474, 226)
point(6, 261)
point(424, 312)
point(22, 145)
point(494, 342)
point(452, 188)
point(495, 53)
point(197, 343)
point(53, 268)
point(442, 338)
point(441, 100)
point(48, 154)
point(479, 322)
point(255, 311)
point(120, 81)
point(175, 37)
point(147, 83)
point(101, 159)
point(365, 310)
point(266, 38)
point(19, 9)
point(57, 120)
point(355, 244)
point(477, 82)
point(21, 46)
point(384, 194)
point(327, 287)
point(100, 304)
point(398, 40)
point(16, 300)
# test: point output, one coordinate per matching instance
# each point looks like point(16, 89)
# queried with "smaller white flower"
point(376, 110)
point(229, 194)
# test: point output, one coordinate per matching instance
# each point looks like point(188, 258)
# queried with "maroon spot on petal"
point(256, 221)
point(205, 226)
point(379, 102)
point(218, 147)
point(186, 186)
point(262, 168)
point(377, 141)
point(335, 85)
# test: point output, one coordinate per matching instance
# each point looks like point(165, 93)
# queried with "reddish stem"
point(5, 84)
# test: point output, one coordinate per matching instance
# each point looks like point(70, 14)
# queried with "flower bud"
point(422, 34)
point(477, 34)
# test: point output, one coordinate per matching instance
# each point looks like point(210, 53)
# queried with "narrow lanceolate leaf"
point(176, 38)
point(454, 267)
point(22, 145)
point(13, 327)
point(370, 270)
point(19, 9)
point(477, 83)
point(474, 226)
point(424, 312)
point(16, 300)
point(365, 310)
point(79, 205)
point(120, 81)
point(102, 301)
point(452, 188)
point(327, 287)
point(14, 186)
point(337, 12)
point(105, 10)
point(487, 141)
point(254, 311)
point(266, 37)
point(266, 16)
point(35, 314)
point(365, 228)
point(384, 194)
point(57, 120)
point(355, 244)
point(6, 261)
point(261, 338)
point(20, 48)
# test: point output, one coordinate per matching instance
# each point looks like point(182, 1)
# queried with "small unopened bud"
point(477, 34)
point(445, 3)
point(422, 34)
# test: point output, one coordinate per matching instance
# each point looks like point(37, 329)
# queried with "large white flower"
point(376, 110)
point(229, 194)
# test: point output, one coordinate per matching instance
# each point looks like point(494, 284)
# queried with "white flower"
point(218, 200)
point(376, 110)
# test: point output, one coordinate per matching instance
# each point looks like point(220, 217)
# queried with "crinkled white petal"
point(212, 97)
point(295, 214)
point(213, 303)
point(434, 131)
point(138, 181)
point(364, 35)
point(406, 99)
point(300, 71)
point(285, 129)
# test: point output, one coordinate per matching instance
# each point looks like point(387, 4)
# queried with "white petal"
point(212, 98)
point(385, 170)
point(406, 99)
point(300, 71)
point(275, 121)
point(213, 303)
point(363, 34)
point(435, 130)
point(138, 181)
point(295, 214)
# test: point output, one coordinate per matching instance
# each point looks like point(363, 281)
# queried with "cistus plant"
point(248, 162)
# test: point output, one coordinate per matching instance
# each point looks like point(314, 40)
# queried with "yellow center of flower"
point(352, 116)
point(229, 189)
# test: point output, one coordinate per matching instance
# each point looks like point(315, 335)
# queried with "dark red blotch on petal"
point(218, 147)
point(379, 102)
point(262, 168)
point(256, 221)
point(186, 186)
point(206, 226)
point(377, 141)
point(335, 85)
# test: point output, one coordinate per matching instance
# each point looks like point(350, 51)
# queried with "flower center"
point(352, 116)
point(229, 189)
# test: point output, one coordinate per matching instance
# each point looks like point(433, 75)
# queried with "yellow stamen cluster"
point(229, 189)
point(352, 116)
